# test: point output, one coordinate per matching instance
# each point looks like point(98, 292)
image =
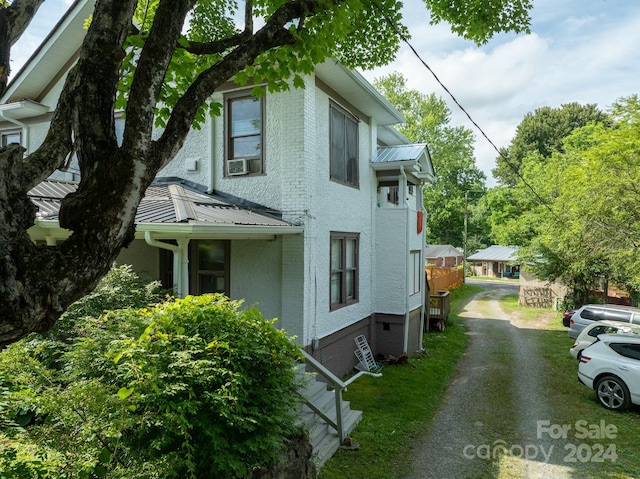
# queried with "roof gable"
point(415, 156)
point(49, 64)
point(441, 251)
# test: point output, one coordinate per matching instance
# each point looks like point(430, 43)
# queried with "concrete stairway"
point(323, 437)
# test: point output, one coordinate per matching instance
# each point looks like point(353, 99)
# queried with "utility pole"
point(464, 234)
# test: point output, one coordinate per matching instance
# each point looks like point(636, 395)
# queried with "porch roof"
point(496, 253)
point(416, 156)
point(174, 206)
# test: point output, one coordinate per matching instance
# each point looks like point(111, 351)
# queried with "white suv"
point(611, 366)
point(590, 334)
point(589, 313)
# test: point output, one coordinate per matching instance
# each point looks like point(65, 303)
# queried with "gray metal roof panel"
point(53, 189)
point(496, 253)
point(389, 154)
point(163, 204)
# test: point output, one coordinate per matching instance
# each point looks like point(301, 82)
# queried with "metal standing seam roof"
point(390, 154)
point(162, 204)
point(48, 195)
point(495, 253)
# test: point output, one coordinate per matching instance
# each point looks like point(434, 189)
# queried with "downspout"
point(211, 154)
point(405, 342)
point(423, 275)
point(22, 125)
point(183, 246)
point(180, 262)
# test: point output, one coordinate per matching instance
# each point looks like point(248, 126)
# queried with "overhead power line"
point(459, 105)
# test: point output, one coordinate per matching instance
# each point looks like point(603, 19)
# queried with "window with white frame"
point(344, 269)
point(417, 270)
point(343, 146)
point(11, 137)
point(244, 134)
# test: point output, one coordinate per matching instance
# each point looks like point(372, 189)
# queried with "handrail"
point(338, 386)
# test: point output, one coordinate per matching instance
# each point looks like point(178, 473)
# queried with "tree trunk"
point(38, 282)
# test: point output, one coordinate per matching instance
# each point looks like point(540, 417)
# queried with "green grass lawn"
point(574, 402)
point(399, 406)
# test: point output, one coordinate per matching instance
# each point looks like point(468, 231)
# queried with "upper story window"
point(417, 270)
point(10, 137)
point(344, 269)
point(344, 146)
point(244, 134)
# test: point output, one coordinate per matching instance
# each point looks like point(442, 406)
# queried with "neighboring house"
point(306, 203)
point(495, 261)
point(443, 255)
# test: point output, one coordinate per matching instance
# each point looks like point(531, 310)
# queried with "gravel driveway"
point(495, 407)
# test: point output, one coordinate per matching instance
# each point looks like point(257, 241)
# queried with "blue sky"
point(579, 50)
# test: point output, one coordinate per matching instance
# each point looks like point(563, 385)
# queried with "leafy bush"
point(191, 388)
point(120, 288)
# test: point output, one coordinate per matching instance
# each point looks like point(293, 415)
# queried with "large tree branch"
point(223, 44)
point(151, 72)
point(57, 146)
point(218, 46)
point(98, 72)
point(20, 14)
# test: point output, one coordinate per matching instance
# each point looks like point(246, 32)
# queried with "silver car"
point(589, 313)
point(590, 334)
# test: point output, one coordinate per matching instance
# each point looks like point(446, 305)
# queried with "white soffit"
point(56, 51)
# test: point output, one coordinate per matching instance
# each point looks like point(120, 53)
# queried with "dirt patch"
point(544, 320)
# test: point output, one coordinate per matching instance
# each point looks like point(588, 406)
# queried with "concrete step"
point(327, 443)
point(324, 438)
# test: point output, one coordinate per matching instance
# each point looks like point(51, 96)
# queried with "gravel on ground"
point(495, 413)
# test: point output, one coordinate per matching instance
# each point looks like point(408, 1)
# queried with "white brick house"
point(306, 203)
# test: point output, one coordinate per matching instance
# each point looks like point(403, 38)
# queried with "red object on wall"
point(420, 221)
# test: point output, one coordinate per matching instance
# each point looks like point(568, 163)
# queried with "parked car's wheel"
point(613, 393)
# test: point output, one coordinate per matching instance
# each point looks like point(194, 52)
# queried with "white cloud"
point(583, 51)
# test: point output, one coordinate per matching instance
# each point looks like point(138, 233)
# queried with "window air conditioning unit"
point(237, 167)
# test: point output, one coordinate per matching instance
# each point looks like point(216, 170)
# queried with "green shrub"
point(191, 388)
point(120, 288)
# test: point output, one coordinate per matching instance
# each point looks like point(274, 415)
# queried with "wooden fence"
point(443, 279)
